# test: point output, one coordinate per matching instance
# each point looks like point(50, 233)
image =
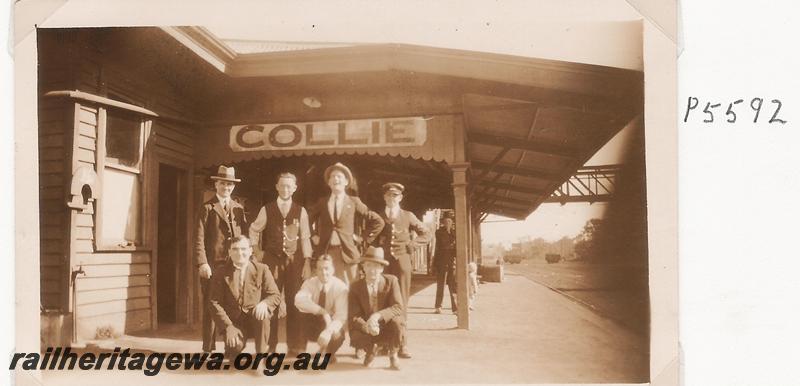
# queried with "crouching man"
point(375, 310)
point(322, 300)
point(243, 297)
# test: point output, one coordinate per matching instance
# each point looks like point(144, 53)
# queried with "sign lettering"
point(387, 132)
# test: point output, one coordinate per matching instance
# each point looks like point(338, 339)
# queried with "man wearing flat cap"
point(375, 310)
point(334, 220)
point(219, 220)
point(397, 240)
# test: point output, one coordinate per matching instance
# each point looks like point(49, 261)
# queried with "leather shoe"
point(438, 310)
point(404, 353)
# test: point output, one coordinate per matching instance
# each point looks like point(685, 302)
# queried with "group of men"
point(303, 264)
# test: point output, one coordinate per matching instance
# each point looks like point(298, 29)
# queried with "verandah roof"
point(528, 123)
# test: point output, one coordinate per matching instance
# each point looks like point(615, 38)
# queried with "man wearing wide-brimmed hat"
point(375, 310)
point(397, 240)
point(218, 221)
point(334, 220)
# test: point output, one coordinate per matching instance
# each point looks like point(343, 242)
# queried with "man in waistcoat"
point(281, 235)
point(397, 243)
point(218, 221)
point(334, 220)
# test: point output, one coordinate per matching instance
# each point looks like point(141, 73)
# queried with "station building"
point(133, 121)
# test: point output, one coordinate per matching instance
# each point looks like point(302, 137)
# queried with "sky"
point(604, 32)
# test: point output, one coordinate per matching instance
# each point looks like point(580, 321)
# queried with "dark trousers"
point(251, 328)
point(313, 326)
point(348, 273)
point(447, 275)
point(390, 337)
point(209, 330)
point(400, 266)
point(288, 275)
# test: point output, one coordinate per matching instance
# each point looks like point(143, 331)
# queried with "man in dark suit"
point(375, 310)
point(218, 221)
point(334, 220)
point(280, 233)
point(396, 241)
point(444, 262)
point(243, 296)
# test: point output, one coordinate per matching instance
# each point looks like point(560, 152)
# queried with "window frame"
point(102, 242)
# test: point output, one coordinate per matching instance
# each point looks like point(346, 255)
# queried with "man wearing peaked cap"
point(398, 241)
point(375, 310)
point(334, 220)
point(218, 221)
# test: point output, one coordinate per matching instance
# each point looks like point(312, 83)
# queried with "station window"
point(123, 139)
point(120, 211)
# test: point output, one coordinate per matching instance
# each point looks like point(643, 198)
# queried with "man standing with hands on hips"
point(396, 241)
point(219, 220)
point(335, 220)
point(281, 237)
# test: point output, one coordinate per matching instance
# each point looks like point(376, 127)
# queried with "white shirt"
point(284, 205)
point(223, 201)
point(335, 299)
point(392, 212)
point(242, 273)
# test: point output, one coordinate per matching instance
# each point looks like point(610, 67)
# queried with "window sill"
point(129, 169)
point(122, 248)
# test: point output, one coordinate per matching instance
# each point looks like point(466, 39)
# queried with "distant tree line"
point(589, 245)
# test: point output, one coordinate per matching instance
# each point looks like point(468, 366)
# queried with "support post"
point(461, 207)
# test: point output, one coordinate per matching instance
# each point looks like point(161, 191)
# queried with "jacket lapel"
point(365, 297)
point(347, 203)
point(229, 279)
point(218, 209)
point(251, 275)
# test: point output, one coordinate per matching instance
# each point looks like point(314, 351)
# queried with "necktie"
point(373, 296)
point(237, 284)
point(336, 209)
point(322, 297)
point(335, 240)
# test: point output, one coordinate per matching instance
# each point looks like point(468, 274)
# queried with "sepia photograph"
point(219, 201)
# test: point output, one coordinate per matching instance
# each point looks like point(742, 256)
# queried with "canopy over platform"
point(524, 125)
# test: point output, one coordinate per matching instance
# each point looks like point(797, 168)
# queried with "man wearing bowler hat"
point(397, 242)
point(375, 310)
point(218, 221)
point(334, 220)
